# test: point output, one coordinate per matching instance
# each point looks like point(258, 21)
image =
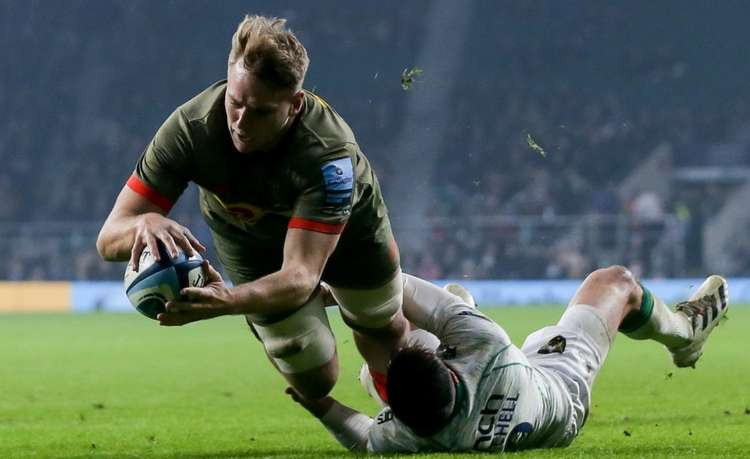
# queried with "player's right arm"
point(135, 223)
point(138, 218)
point(429, 307)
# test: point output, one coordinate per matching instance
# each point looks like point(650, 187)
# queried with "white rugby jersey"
point(503, 403)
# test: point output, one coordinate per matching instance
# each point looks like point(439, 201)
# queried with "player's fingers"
point(163, 318)
point(175, 306)
point(212, 275)
point(194, 241)
point(135, 253)
point(170, 243)
point(185, 317)
point(197, 294)
point(182, 241)
point(188, 305)
point(172, 320)
point(153, 246)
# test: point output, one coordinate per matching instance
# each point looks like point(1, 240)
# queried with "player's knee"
point(614, 276)
point(300, 342)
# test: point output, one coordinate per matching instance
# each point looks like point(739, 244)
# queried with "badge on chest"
point(243, 212)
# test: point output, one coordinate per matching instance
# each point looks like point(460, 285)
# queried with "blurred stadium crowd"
point(583, 145)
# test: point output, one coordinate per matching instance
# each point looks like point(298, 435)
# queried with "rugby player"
point(477, 391)
point(290, 200)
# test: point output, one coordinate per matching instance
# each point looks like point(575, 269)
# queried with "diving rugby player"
point(290, 200)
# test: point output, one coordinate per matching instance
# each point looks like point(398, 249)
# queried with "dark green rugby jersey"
point(316, 179)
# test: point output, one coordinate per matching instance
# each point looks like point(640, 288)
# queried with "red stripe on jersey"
point(319, 227)
point(140, 187)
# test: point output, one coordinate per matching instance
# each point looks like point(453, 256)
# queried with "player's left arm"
point(350, 427)
point(305, 255)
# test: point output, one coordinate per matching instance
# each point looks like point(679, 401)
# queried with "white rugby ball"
point(157, 282)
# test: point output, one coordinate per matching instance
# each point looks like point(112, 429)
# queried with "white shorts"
point(574, 351)
point(372, 308)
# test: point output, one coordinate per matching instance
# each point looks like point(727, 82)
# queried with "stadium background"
point(645, 127)
point(641, 109)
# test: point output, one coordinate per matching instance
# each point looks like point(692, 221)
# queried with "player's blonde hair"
point(270, 51)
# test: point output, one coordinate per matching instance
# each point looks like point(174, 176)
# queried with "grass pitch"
point(118, 385)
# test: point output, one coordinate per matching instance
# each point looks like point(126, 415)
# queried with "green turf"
point(118, 385)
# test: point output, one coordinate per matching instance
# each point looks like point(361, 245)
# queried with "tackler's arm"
point(350, 427)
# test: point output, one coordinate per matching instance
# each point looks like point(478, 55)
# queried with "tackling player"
point(477, 391)
point(290, 200)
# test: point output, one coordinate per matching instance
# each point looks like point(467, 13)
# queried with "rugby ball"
point(157, 282)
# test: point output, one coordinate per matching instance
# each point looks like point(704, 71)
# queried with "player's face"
point(257, 114)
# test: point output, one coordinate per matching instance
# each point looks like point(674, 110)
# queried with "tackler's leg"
point(612, 292)
point(627, 306)
point(606, 299)
point(302, 347)
point(575, 348)
point(611, 300)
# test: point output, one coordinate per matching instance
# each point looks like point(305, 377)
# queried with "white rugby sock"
point(658, 322)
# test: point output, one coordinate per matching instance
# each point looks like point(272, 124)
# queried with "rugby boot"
point(704, 310)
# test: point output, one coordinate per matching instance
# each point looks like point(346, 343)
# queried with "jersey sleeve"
point(388, 435)
point(162, 172)
point(445, 316)
point(326, 201)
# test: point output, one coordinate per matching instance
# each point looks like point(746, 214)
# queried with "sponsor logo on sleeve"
point(338, 178)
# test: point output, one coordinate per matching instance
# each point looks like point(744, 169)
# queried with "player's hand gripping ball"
point(157, 282)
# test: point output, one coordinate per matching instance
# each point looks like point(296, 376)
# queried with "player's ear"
point(297, 99)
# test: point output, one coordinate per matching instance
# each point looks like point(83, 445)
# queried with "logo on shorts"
point(555, 345)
